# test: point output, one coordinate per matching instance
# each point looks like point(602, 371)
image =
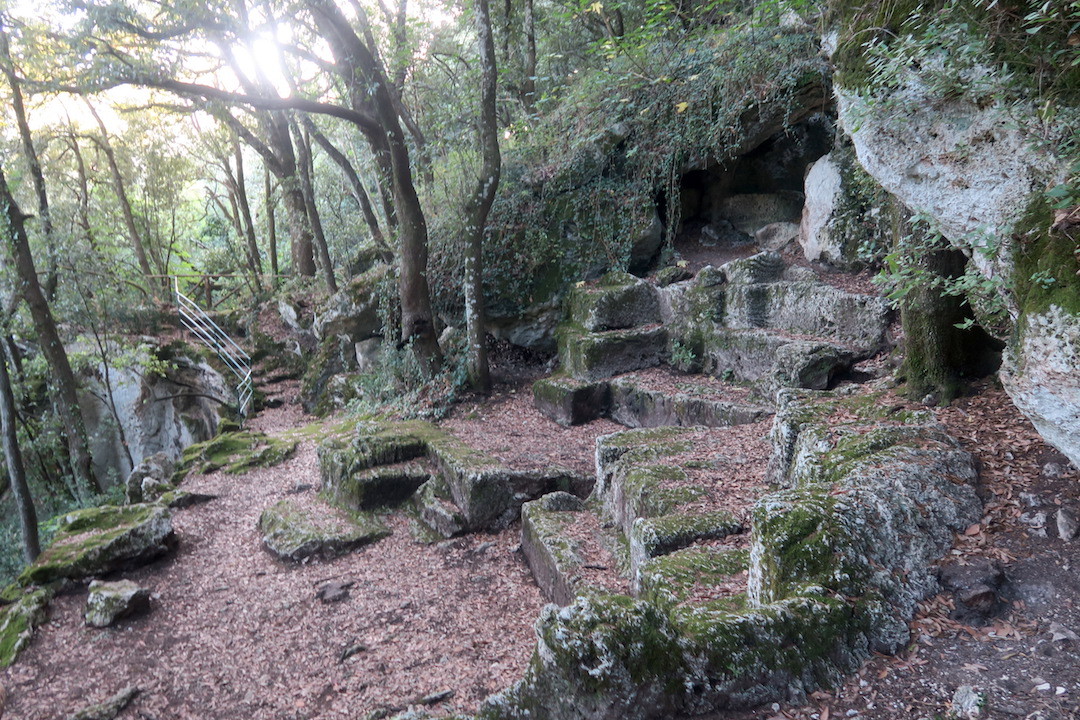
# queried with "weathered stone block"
point(595, 356)
point(637, 407)
point(382, 486)
point(553, 557)
point(570, 402)
point(23, 613)
point(650, 537)
point(617, 301)
point(293, 533)
point(100, 540)
point(112, 601)
point(436, 510)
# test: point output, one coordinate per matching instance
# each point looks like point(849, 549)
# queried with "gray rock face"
point(1042, 376)
point(150, 479)
point(354, 310)
point(777, 236)
point(111, 601)
point(970, 168)
point(823, 184)
point(156, 414)
point(293, 533)
point(752, 211)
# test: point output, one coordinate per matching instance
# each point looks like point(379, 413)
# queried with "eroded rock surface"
point(111, 601)
point(295, 533)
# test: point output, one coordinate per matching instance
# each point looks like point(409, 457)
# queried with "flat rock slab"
point(296, 533)
point(614, 302)
point(636, 406)
point(111, 601)
point(593, 356)
point(101, 540)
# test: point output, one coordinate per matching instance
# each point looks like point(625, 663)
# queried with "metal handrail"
point(210, 333)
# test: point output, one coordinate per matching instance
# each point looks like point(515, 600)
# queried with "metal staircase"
point(203, 327)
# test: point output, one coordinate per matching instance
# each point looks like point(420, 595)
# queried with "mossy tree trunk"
point(23, 501)
point(937, 353)
point(62, 385)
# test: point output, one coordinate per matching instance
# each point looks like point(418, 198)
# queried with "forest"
point(422, 212)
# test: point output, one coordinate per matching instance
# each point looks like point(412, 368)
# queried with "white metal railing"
point(203, 327)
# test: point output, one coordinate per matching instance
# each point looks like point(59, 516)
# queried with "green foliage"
point(581, 185)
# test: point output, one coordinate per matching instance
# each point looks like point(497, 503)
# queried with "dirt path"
point(234, 633)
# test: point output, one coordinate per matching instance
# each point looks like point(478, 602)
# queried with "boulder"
point(777, 236)
point(646, 245)
point(111, 601)
point(1041, 373)
point(437, 511)
point(615, 302)
point(150, 479)
point(101, 540)
point(23, 613)
point(157, 412)
point(294, 533)
point(823, 190)
point(353, 311)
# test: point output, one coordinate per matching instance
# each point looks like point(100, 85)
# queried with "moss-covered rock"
point(19, 619)
point(100, 540)
point(111, 601)
point(616, 301)
point(437, 511)
point(651, 537)
point(382, 486)
point(554, 558)
point(571, 402)
point(236, 452)
point(594, 356)
point(293, 533)
point(676, 577)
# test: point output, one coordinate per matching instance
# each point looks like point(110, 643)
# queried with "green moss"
point(860, 23)
point(1047, 263)
point(235, 452)
point(660, 535)
point(674, 577)
point(99, 539)
point(18, 621)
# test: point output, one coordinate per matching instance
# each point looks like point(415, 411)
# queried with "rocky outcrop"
point(295, 533)
point(150, 479)
point(1041, 373)
point(101, 540)
point(379, 464)
point(21, 612)
point(111, 601)
point(973, 170)
point(872, 494)
point(155, 412)
point(823, 184)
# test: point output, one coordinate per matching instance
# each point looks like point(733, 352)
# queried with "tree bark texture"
point(305, 165)
point(24, 503)
point(367, 79)
point(480, 206)
point(62, 386)
point(33, 162)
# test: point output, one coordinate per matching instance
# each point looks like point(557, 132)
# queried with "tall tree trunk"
point(271, 223)
point(63, 379)
point(368, 88)
point(528, 87)
point(134, 236)
point(480, 206)
point(245, 213)
point(16, 474)
point(83, 191)
point(357, 185)
point(306, 166)
point(33, 162)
